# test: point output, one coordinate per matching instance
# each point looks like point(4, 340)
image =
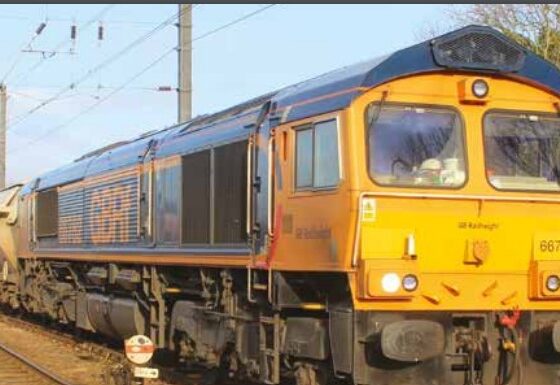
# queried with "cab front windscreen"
point(415, 146)
point(522, 151)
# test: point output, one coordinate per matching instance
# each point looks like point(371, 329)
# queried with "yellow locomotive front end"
point(457, 237)
point(460, 197)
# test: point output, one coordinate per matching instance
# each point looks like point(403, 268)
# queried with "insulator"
point(100, 32)
point(73, 32)
point(40, 28)
point(164, 88)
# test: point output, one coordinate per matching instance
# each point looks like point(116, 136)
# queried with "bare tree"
point(534, 26)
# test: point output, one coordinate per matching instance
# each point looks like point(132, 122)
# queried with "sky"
point(115, 97)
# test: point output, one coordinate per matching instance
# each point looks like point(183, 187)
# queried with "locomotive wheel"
point(227, 369)
point(308, 373)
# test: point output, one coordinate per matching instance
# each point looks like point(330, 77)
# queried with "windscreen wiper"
point(377, 111)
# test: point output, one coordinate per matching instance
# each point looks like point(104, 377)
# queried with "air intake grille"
point(477, 50)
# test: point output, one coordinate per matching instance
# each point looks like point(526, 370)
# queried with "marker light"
point(390, 283)
point(410, 282)
point(480, 88)
point(553, 283)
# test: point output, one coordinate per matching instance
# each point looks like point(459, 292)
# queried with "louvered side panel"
point(230, 187)
point(111, 209)
point(70, 215)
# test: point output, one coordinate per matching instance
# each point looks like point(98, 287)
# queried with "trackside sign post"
point(139, 350)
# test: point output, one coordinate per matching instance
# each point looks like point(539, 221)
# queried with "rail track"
point(16, 369)
point(95, 356)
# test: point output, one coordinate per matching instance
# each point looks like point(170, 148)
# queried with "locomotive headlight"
point(390, 283)
point(553, 283)
point(410, 282)
point(480, 88)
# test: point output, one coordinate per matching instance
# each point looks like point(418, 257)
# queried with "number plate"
point(546, 246)
point(141, 372)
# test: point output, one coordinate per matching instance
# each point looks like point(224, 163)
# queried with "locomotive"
point(390, 222)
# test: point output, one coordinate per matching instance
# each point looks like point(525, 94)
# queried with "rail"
point(18, 369)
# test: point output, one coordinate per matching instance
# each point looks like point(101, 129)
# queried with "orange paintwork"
point(447, 224)
point(474, 246)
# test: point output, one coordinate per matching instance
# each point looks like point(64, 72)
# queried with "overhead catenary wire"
point(82, 28)
point(140, 73)
point(98, 87)
point(16, 94)
point(43, 59)
point(83, 92)
point(25, 95)
point(100, 101)
point(233, 22)
point(95, 69)
point(68, 20)
point(20, 52)
point(17, 60)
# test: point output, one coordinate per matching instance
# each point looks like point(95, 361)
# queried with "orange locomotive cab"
point(443, 214)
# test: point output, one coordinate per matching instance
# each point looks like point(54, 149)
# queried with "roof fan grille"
point(478, 50)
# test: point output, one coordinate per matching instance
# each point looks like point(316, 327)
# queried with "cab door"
point(311, 204)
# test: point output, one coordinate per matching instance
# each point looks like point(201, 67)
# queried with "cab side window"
point(317, 164)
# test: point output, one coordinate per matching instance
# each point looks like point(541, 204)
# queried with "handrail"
point(271, 143)
point(151, 201)
point(249, 209)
